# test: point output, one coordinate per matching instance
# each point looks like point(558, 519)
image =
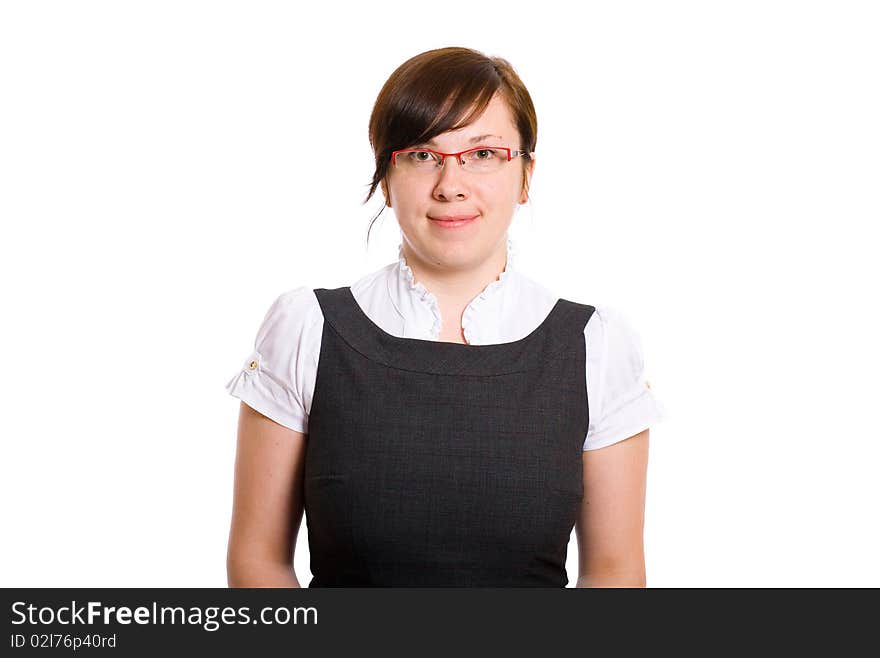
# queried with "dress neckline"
point(559, 332)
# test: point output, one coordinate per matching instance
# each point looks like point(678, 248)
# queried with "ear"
point(384, 186)
point(527, 179)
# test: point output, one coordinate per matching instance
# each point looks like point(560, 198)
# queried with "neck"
point(456, 288)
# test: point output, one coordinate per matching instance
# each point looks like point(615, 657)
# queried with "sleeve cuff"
point(252, 392)
point(639, 415)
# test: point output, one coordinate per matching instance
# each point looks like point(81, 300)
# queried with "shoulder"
point(296, 306)
point(614, 345)
point(375, 280)
point(301, 298)
point(610, 325)
point(529, 299)
point(373, 289)
point(523, 284)
point(294, 319)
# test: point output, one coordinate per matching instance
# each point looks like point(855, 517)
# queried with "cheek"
point(404, 197)
point(501, 191)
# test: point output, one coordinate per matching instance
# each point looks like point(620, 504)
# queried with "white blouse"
point(277, 378)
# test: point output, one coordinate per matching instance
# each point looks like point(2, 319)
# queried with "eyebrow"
point(472, 140)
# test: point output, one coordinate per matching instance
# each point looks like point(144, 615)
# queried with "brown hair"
point(432, 92)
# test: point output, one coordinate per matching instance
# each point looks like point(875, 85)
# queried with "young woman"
point(445, 420)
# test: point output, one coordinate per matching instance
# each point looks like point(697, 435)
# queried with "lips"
point(452, 218)
point(452, 222)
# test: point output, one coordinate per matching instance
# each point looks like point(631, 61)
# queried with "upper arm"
point(610, 526)
point(267, 499)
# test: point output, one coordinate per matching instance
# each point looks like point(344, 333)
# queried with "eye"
point(417, 155)
point(485, 154)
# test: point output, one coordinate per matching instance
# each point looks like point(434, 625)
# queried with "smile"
point(453, 221)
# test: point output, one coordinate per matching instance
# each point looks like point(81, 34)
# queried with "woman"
point(444, 421)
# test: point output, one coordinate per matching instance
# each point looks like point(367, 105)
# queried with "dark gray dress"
point(437, 464)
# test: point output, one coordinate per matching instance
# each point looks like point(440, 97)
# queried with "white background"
point(168, 168)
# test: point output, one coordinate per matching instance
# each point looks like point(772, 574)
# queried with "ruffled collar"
point(421, 311)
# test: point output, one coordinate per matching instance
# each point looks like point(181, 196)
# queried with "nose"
point(451, 181)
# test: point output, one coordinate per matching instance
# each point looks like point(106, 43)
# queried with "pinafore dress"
point(437, 464)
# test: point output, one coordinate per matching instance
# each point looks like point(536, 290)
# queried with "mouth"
point(453, 221)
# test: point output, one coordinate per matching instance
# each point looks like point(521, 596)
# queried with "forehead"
point(496, 121)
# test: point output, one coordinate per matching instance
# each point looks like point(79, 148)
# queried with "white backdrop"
point(168, 168)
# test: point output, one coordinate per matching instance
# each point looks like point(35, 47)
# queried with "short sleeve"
point(621, 400)
point(277, 376)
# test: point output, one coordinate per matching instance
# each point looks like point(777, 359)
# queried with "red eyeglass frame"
point(510, 153)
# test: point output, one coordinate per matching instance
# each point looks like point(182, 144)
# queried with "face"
point(418, 197)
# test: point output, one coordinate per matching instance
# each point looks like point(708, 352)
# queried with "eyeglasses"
point(481, 159)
